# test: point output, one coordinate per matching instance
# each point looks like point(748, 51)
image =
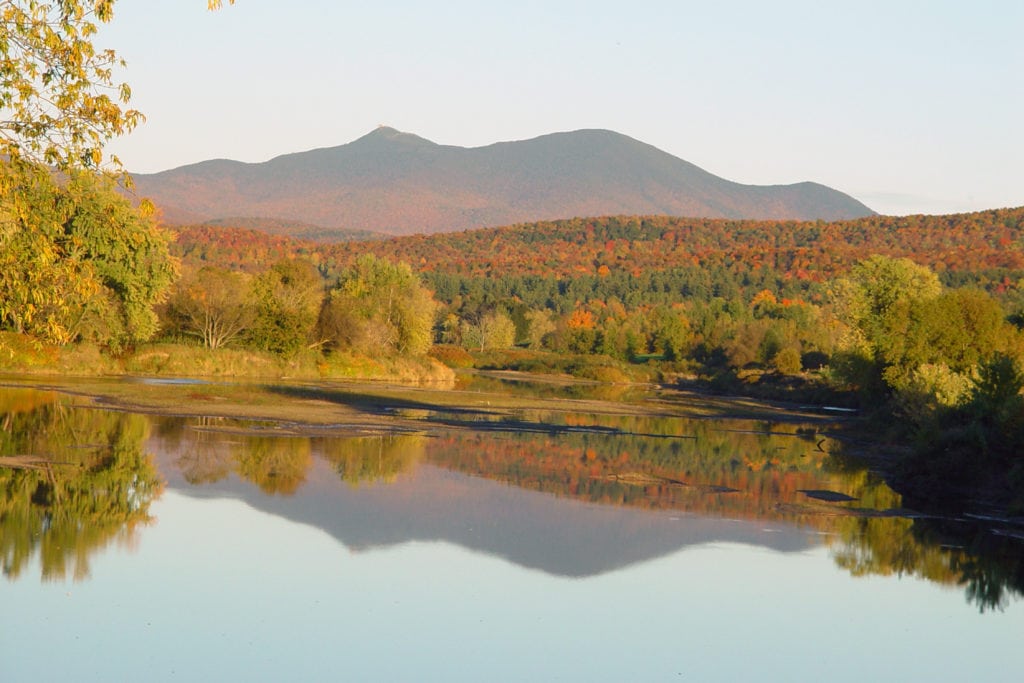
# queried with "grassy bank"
point(23, 355)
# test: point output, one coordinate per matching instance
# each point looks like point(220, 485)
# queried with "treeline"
point(813, 250)
point(656, 260)
point(706, 295)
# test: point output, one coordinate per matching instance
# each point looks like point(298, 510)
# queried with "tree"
point(378, 307)
point(78, 260)
point(672, 334)
point(129, 255)
point(868, 298)
point(60, 100)
point(494, 330)
point(874, 302)
point(43, 286)
point(75, 259)
point(540, 326)
point(212, 304)
point(958, 329)
point(287, 300)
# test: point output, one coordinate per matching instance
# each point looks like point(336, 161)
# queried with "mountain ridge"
point(400, 183)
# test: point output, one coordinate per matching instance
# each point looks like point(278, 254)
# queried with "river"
point(544, 545)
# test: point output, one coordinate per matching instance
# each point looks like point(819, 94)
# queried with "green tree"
point(378, 307)
point(129, 255)
point(672, 336)
point(957, 329)
point(787, 360)
point(870, 296)
point(78, 260)
point(287, 300)
point(996, 399)
point(874, 302)
point(44, 286)
point(541, 325)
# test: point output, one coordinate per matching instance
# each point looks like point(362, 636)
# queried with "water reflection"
point(373, 459)
point(953, 552)
point(71, 482)
point(741, 468)
point(210, 449)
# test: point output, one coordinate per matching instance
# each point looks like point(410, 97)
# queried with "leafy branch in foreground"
point(59, 99)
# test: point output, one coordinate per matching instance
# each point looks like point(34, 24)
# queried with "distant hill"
point(296, 229)
point(398, 183)
point(990, 242)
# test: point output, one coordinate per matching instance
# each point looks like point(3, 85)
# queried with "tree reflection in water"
point(754, 471)
point(990, 566)
point(72, 481)
point(88, 481)
point(210, 449)
point(373, 459)
point(277, 465)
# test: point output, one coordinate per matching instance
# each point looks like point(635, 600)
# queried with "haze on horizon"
point(909, 108)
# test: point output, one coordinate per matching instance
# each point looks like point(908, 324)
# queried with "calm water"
point(536, 546)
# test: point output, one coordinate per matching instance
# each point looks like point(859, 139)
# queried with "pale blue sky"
point(908, 106)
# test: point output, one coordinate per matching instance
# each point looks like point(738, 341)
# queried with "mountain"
point(399, 183)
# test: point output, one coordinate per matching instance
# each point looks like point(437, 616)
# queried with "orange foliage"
point(581, 319)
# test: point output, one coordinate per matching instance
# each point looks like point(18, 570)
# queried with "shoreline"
point(360, 405)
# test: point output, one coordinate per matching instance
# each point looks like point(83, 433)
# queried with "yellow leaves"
point(765, 297)
point(68, 251)
point(104, 9)
point(58, 90)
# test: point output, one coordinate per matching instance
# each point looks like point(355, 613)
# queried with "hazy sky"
point(912, 107)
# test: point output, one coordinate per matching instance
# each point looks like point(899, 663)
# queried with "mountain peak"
point(383, 133)
point(395, 182)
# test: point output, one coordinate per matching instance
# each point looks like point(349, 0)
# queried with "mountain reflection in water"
point(577, 496)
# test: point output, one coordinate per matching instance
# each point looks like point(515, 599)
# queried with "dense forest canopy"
point(812, 250)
